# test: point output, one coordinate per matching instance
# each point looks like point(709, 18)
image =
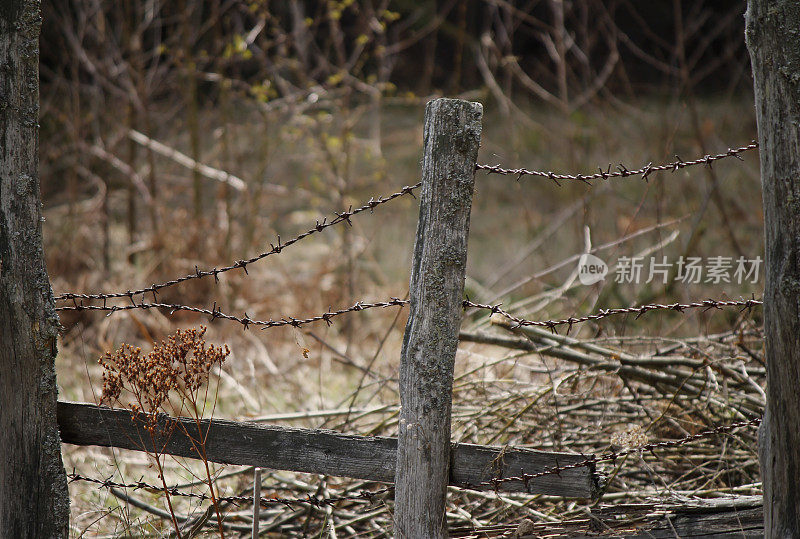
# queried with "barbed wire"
point(215, 312)
point(622, 171)
point(341, 217)
point(364, 495)
point(373, 202)
point(612, 456)
point(638, 310)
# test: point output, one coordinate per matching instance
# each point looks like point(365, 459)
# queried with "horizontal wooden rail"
point(740, 517)
point(741, 524)
point(322, 451)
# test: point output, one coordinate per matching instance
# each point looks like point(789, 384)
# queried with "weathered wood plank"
point(322, 451)
point(734, 518)
point(742, 523)
point(471, 464)
point(452, 136)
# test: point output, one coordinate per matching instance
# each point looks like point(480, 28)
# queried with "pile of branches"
point(528, 387)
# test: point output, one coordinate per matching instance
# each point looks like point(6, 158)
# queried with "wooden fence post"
point(450, 149)
point(774, 43)
point(34, 500)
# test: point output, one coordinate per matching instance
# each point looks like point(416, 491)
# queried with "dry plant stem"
point(203, 169)
point(157, 459)
point(190, 395)
point(145, 506)
point(196, 525)
point(163, 514)
point(201, 451)
point(198, 444)
point(157, 455)
point(180, 364)
point(132, 158)
point(562, 347)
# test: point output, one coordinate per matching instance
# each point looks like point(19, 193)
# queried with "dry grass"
point(501, 395)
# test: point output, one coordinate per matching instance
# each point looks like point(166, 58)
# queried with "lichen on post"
point(450, 150)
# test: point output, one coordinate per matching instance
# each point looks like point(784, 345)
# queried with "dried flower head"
point(629, 439)
point(178, 366)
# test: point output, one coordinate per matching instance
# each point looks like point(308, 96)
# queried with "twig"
point(186, 161)
point(256, 506)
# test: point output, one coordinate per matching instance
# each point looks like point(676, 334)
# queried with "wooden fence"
point(422, 461)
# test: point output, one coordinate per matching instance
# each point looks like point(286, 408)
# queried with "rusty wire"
point(364, 495)
point(370, 496)
point(622, 171)
point(612, 456)
point(372, 203)
point(638, 310)
point(215, 312)
point(341, 217)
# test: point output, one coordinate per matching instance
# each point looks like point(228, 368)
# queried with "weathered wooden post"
point(450, 149)
point(773, 37)
point(34, 501)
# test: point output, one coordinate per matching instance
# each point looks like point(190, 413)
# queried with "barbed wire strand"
point(216, 312)
point(622, 171)
point(341, 217)
point(612, 456)
point(372, 203)
point(638, 310)
point(364, 495)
